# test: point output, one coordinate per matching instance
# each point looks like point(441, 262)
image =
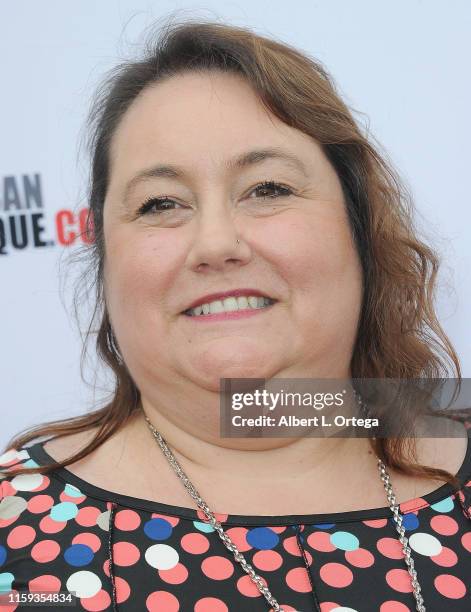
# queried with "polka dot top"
point(61, 535)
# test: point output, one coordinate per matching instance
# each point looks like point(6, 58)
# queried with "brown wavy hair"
point(398, 334)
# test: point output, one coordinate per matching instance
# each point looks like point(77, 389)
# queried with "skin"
point(297, 249)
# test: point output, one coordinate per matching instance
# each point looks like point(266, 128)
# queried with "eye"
point(156, 206)
point(271, 190)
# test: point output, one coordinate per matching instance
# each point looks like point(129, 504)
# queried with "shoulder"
point(13, 459)
point(63, 447)
point(449, 449)
point(11, 483)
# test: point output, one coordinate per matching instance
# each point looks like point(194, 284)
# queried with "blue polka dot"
point(72, 491)
point(325, 525)
point(30, 463)
point(344, 540)
point(78, 555)
point(204, 527)
point(410, 521)
point(263, 538)
point(158, 529)
point(445, 505)
point(64, 511)
point(5, 581)
point(3, 554)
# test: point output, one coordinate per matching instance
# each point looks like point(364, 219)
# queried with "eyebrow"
point(245, 160)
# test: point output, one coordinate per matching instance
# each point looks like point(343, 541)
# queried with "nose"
point(218, 243)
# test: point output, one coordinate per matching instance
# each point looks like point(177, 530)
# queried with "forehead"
point(198, 118)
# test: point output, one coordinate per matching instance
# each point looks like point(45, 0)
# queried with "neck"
point(195, 442)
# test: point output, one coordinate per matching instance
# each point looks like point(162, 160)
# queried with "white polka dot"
point(8, 456)
point(161, 556)
point(83, 584)
point(343, 609)
point(425, 544)
point(11, 454)
point(27, 482)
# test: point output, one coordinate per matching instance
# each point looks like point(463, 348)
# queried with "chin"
point(210, 379)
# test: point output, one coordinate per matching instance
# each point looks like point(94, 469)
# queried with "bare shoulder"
point(447, 448)
point(62, 448)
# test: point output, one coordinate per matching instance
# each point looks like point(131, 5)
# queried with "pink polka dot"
point(320, 540)
point(125, 553)
point(44, 484)
point(40, 503)
point(123, 590)
point(210, 604)
point(444, 525)
point(98, 602)
point(87, 516)
point(336, 575)
point(399, 580)
point(413, 505)
point(447, 557)
point(162, 600)
point(21, 536)
point(248, 588)
point(298, 580)
point(44, 551)
point(173, 520)
point(376, 523)
point(450, 586)
point(291, 546)
point(195, 543)
point(175, 575)
point(48, 525)
point(4, 601)
point(127, 520)
point(89, 539)
point(14, 466)
point(267, 560)
point(106, 567)
point(46, 582)
point(327, 606)
point(278, 529)
point(11, 461)
point(390, 548)
point(222, 518)
point(7, 522)
point(393, 606)
point(238, 536)
point(217, 568)
point(8, 489)
point(359, 557)
point(466, 541)
point(308, 557)
point(75, 500)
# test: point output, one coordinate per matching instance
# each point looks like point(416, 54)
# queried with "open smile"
point(230, 308)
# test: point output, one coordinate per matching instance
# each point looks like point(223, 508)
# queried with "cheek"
point(314, 253)
point(139, 269)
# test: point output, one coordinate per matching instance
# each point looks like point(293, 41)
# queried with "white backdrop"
point(405, 65)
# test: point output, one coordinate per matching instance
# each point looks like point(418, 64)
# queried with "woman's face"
point(198, 148)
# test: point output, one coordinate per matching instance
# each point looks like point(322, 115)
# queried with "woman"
point(226, 170)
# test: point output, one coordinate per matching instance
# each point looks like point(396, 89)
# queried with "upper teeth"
point(230, 304)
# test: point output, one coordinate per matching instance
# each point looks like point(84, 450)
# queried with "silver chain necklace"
point(239, 557)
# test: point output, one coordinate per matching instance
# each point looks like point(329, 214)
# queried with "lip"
point(211, 297)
